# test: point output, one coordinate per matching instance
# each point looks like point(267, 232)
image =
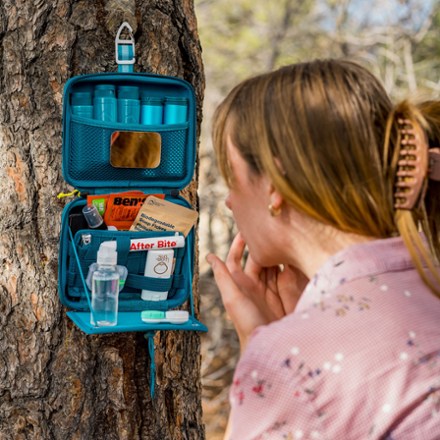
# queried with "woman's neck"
point(312, 244)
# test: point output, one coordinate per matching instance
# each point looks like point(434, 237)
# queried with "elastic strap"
point(83, 281)
point(123, 248)
point(148, 283)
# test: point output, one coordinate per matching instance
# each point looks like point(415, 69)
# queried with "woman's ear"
point(275, 201)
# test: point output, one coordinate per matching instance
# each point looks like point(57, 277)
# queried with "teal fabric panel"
point(131, 322)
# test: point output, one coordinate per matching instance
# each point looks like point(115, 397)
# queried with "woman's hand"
point(254, 295)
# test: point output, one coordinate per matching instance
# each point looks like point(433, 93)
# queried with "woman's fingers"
point(235, 254)
point(251, 268)
point(234, 263)
point(242, 310)
point(229, 290)
point(254, 295)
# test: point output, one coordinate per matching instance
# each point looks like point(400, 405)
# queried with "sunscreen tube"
point(159, 264)
point(147, 244)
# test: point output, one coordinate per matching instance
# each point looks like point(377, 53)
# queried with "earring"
point(274, 212)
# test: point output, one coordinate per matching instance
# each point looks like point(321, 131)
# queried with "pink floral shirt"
point(358, 359)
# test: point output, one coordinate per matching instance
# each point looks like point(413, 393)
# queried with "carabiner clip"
point(124, 43)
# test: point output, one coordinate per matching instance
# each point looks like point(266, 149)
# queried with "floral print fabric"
point(359, 358)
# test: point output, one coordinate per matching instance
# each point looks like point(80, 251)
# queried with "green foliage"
point(241, 38)
point(245, 37)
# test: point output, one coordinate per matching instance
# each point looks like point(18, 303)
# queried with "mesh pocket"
point(89, 156)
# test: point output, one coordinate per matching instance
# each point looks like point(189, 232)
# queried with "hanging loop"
point(125, 49)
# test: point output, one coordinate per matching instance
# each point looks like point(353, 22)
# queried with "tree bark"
point(55, 381)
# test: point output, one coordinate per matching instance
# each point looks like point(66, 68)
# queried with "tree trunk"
point(55, 381)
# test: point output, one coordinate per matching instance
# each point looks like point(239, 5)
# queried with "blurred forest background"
point(397, 40)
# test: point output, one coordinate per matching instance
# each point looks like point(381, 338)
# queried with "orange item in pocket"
point(121, 209)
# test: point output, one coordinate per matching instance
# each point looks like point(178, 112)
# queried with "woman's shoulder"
point(348, 357)
point(351, 318)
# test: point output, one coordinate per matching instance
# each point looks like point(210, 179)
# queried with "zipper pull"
point(73, 193)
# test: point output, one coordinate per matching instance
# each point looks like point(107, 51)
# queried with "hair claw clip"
point(412, 165)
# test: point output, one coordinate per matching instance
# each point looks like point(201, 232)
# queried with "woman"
point(336, 306)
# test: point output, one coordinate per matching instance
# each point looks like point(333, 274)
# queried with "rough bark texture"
point(55, 381)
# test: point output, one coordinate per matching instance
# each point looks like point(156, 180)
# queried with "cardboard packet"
point(161, 215)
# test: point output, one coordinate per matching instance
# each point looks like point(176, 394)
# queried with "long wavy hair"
point(332, 127)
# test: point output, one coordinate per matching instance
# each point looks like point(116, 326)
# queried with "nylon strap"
point(149, 336)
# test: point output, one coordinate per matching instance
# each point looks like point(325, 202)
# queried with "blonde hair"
point(330, 124)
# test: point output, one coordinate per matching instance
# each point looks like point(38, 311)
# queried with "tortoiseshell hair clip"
point(416, 161)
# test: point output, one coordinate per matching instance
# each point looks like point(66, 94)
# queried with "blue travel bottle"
point(152, 110)
point(129, 107)
point(176, 110)
point(81, 102)
point(104, 103)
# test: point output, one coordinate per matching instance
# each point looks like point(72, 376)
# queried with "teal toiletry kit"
point(90, 125)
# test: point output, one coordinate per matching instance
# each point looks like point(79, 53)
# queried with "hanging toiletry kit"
point(129, 139)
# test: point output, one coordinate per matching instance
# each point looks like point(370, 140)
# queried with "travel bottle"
point(129, 106)
point(105, 287)
point(151, 110)
point(175, 110)
point(104, 103)
point(81, 102)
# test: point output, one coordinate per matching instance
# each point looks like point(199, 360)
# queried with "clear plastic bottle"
point(105, 287)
